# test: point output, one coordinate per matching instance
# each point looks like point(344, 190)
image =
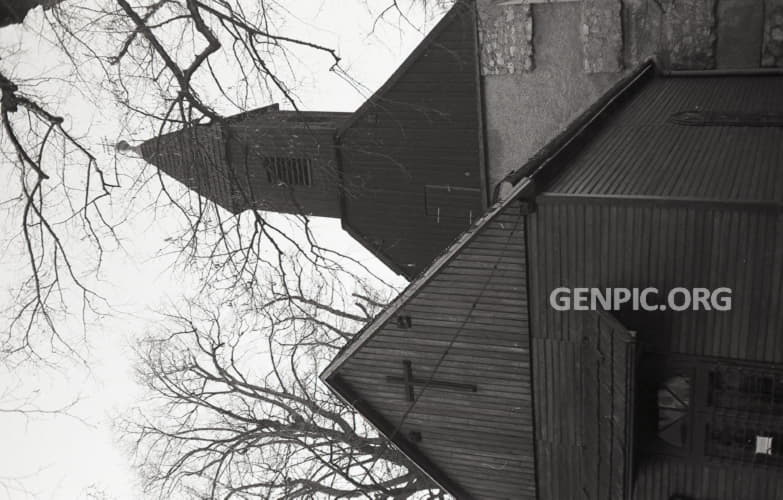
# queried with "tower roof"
point(409, 172)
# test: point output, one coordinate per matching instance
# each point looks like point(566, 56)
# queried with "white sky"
point(61, 457)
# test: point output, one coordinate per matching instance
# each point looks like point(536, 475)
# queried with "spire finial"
point(124, 147)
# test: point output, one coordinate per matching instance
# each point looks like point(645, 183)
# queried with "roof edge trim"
point(722, 72)
point(377, 252)
point(384, 427)
point(769, 206)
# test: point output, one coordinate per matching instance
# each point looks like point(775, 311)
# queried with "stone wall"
point(506, 38)
point(526, 109)
point(681, 34)
point(602, 36)
point(689, 33)
point(772, 47)
point(618, 34)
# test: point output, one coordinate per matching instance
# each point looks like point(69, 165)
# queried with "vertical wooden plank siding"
point(584, 410)
point(420, 129)
point(469, 321)
point(659, 478)
point(605, 429)
point(607, 244)
point(601, 245)
point(251, 144)
point(227, 163)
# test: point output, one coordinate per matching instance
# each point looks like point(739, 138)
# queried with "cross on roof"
point(409, 381)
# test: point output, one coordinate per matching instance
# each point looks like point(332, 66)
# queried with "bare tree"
point(172, 65)
point(58, 203)
point(228, 425)
point(240, 414)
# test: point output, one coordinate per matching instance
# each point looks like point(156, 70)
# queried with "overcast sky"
point(64, 457)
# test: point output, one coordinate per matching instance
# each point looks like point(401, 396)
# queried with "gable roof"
point(522, 183)
point(372, 328)
point(450, 299)
point(421, 130)
point(466, 313)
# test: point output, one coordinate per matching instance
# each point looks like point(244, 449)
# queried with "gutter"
point(723, 72)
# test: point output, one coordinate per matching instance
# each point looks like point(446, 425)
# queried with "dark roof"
point(196, 157)
point(700, 136)
point(420, 131)
point(592, 129)
point(421, 280)
point(417, 137)
point(455, 12)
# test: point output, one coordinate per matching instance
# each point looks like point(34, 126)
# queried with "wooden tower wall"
point(255, 145)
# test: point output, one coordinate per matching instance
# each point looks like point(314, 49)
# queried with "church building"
point(671, 181)
point(528, 146)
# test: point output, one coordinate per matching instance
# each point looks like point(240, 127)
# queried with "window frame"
point(703, 414)
point(664, 370)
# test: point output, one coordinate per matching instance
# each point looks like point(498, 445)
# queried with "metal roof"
point(706, 137)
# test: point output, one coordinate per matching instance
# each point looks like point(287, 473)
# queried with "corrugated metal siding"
point(637, 151)
point(602, 244)
point(422, 129)
point(196, 158)
point(483, 441)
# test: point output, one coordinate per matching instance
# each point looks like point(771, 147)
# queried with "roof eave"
point(387, 430)
point(377, 252)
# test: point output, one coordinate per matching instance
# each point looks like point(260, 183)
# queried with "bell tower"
point(267, 159)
